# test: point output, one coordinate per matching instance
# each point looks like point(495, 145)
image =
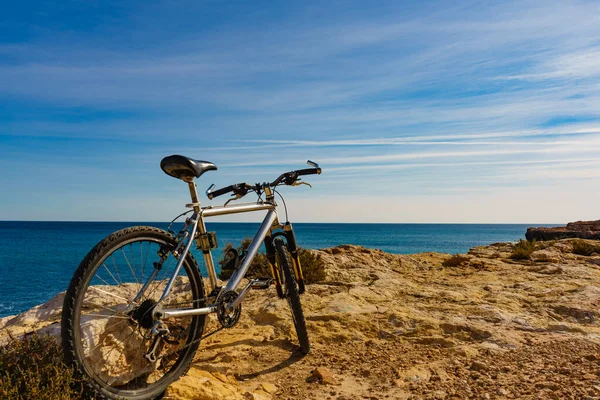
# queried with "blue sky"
point(423, 111)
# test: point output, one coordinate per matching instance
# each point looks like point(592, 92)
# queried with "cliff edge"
point(579, 229)
point(421, 326)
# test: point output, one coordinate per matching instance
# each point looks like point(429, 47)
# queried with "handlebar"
point(241, 189)
point(290, 177)
point(218, 192)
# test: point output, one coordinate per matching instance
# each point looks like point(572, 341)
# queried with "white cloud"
point(464, 97)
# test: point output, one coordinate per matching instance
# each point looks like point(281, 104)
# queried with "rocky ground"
point(386, 326)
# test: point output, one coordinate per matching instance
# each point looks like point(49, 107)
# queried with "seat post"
point(208, 260)
point(194, 194)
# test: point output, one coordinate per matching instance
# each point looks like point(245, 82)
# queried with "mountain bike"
point(134, 313)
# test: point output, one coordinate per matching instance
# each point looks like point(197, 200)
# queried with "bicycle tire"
point(292, 296)
point(94, 322)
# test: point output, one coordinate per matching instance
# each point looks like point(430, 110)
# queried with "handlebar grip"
point(290, 177)
point(220, 192)
point(308, 171)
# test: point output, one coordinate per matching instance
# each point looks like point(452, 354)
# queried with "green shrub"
point(455, 260)
point(523, 249)
point(584, 248)
point(33, 368)
point(313, 267)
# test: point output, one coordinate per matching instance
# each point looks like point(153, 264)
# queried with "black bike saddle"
point(185, 168)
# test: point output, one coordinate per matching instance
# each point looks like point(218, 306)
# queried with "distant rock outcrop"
point(406, 327)
point(579, 229)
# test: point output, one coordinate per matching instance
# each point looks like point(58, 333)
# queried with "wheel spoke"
point(130, 268)
point(109, 293)
point(133, 257)
point(163, 279)
point(110, 334)
point(110, 273)
point(106, 316)
point(102, 306)
point(142, 260)
point(103, 339)
point(116, 267)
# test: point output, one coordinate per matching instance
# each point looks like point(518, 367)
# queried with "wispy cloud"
point(450, 139)
point(572, 148)
point(462, 95)
point(580, 64)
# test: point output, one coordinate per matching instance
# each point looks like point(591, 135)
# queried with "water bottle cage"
point(235, 259)
point(206, 241)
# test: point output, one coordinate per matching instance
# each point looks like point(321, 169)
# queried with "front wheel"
point(290, 291)
point(107, 316)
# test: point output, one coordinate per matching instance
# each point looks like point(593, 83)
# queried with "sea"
point(37, 259)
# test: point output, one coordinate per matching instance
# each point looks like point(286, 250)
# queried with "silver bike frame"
point(197, 220)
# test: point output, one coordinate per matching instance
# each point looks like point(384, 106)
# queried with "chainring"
point(228, 318)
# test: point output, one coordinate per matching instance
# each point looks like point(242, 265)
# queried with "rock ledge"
point(579, 229)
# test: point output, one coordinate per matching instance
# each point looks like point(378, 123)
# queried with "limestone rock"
point(579, 229)
point(395, 326)
point(546, 269)
point(268, 387)
point(257, 395)
point(435, 340)
point(202, 385)
point(324, 376)
point(415, 374)
point(546, 255)
point(590, 377)
point(478, 366)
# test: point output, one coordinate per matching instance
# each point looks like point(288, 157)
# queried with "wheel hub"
point(143, 314)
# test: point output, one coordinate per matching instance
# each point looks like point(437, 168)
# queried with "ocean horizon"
point(38, 258)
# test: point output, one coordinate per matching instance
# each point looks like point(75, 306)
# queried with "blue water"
point(37, 259)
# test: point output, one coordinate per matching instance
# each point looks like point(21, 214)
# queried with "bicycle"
point(135, 310)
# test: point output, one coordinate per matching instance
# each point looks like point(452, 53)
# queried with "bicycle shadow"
point(284, 344)
point(293, 358)
point(281, 343)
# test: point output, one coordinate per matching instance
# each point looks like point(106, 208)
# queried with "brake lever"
point(302, 183)
point(235, 196)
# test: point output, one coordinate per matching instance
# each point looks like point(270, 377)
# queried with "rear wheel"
point(107, 324)
point(290, 291)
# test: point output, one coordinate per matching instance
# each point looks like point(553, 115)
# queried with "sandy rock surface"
point(386, 326)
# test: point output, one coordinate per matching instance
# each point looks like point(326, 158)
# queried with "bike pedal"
point(261, 283)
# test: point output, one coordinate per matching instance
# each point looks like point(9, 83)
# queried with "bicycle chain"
point(203, 301)
point(189, 344)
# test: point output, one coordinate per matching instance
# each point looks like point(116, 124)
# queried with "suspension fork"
point(272, 260)
point(293, 248)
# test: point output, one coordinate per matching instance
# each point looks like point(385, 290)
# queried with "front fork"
point(288, 233)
